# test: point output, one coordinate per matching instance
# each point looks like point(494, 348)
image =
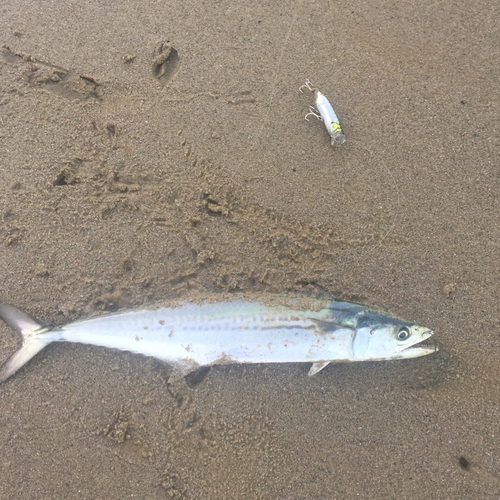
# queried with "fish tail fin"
point(31, 330)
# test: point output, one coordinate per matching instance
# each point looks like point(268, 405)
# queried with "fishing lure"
point(324, 112)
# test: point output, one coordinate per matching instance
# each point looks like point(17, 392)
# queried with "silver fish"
point(191, 336)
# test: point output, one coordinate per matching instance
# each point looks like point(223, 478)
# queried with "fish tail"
point(33, 342)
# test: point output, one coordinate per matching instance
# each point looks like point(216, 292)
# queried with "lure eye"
point(404, 333)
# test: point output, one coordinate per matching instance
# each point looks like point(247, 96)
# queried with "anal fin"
point(317, 367)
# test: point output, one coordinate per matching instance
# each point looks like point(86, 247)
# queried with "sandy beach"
point(156, 152)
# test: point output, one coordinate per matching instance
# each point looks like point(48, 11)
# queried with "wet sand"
point(157, 152)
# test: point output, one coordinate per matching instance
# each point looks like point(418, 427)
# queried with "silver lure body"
point(330, 119)
point(324, 112)
point(191, 336)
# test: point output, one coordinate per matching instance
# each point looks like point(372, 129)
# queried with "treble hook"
point(308, 86)
point(314, 112)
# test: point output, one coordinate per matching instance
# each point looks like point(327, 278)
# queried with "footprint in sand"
point(166, 62)
point(44, 75)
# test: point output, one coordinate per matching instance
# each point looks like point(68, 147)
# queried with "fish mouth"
point(420, 348)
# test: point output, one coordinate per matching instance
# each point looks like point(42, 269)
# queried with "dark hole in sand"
point(464, 463)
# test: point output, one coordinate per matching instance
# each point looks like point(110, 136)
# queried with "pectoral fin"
point(326, 327)
point(317, 367)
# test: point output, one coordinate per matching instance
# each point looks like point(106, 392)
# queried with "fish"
point(195, 335)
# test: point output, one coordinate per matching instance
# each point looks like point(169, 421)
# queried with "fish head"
point(393, 339)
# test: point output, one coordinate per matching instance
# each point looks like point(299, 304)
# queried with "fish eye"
point(403, 333)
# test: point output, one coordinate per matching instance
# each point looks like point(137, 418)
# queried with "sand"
point(157, 152)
